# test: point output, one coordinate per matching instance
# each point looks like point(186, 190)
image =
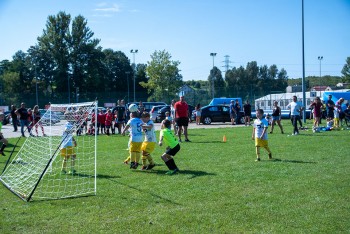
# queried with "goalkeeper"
point(67, 147)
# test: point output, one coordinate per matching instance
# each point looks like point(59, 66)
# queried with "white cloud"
point(105, 8)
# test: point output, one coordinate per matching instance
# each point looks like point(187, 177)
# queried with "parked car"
point(7, 118)
point(218, 113)
point(154, 112)
point(161, 113)
point(49, 117)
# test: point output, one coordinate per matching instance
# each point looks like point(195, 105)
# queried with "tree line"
point(67, 64)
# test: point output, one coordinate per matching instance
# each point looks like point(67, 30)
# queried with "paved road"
point(7, 130)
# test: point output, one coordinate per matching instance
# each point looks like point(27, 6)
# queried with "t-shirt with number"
point(259, 125)
point(150, 134)
point(135, 129)
point(168, 137)
point(67, 135)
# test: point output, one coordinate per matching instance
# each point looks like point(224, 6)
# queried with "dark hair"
point(261, 111)
point(167, 123)
point(145, 115)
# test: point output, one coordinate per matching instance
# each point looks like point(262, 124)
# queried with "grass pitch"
point(220, 189)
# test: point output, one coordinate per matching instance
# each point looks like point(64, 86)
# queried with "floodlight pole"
point(213, 88)
point(134, 52)
point(127, 79)
point(320, 59)
point(303, 79)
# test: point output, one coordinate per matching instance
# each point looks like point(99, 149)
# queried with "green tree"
point(216, 83)
point(164, 79)
point(346, 71)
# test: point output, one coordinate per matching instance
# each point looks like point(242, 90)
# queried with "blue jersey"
point(135, 129)
point(67, 136)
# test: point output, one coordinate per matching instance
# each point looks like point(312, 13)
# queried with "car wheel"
point(207, 120)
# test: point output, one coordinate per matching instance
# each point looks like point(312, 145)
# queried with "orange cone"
point(224, 138)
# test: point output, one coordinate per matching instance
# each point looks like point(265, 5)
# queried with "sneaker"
point(282, 132)
point(132, 164)
point(271, 132)
point(143, 168)
point(187, 140)
point(72, 172)
point(270, 155)
point(2, 153)
point(180, 140)
point(172, 172)
point(126, 162)
point(149, 167)
point(257, 160)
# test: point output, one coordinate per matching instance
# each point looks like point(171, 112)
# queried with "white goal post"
point(48, 165)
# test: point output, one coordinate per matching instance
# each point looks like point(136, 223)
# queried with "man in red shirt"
point(181, 117)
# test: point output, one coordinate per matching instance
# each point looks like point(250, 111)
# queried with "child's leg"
point(36, 129)
point(4, 144)
point(127, 160)
point(269, 151)
point(72, 164)
point(169, 161)
point(257, 149)
point(64, 164)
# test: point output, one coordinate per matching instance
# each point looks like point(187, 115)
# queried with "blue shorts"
point(276, 118)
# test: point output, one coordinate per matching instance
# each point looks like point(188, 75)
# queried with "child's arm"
point(253, 134)
point(125, 129)
point(160, 139)
point(263, 133)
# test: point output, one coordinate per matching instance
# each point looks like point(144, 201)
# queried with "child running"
point(135, 126)
point(260, 134)
point(149, 143)
point(172, 149)
point(68, 144)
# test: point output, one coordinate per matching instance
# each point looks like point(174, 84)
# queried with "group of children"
point(145, 146)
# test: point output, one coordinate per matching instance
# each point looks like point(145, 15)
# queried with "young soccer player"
point(172, 149)
point(108, 121)
point(135, 126)
point(2, 138)
point(149, 142)
point(67, 147)
point(260, 134)
point(36, 120)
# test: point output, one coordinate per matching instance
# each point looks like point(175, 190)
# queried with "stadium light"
point(212, 85)
point(127, 79)
point(320, 59)
point(133, 53)
point(36, 86)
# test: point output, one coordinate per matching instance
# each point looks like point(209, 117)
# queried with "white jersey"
point(67, 135)
point(259, 125)
point(150, 134)
point(135, 129)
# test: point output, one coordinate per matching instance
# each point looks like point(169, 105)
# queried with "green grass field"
point(220, 189)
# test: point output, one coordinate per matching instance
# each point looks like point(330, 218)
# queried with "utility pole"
point(134, 52)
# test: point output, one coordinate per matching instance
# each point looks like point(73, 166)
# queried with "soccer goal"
point(60, 162)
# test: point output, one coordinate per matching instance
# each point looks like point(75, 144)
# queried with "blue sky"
point(266, 31)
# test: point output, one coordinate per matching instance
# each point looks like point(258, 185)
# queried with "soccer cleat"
point(187, 140)
point(126, 162)
point(270, 155)
point(172, 172)
point(149, 167)
point(73, 172)
point(132, 164)
point(257, 160)
point(143, 168)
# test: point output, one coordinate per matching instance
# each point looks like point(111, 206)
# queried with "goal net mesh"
point(35, 172)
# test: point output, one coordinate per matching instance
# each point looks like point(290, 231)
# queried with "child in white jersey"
point(68, 145)
point(135, 127)
point(149, 142)
point(260, 134)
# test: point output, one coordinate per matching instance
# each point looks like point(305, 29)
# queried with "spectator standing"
point(276, 116)
point(23, 117)
point(237, 107)
point(317, 111)
point(37, 122)
point(232, 112)
point(295, 109)
point(247, 108)
point(2, 138)
point(14, 118)
point(198, 112)
point(330, 107)
point(181, 117)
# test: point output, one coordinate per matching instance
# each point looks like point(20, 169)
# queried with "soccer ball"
point(133, 108)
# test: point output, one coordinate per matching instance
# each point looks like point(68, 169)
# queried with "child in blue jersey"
point(134, 125)
point(260, 134)
point(172, 149)
point(2, 138)
point(149, 142)
point(67, 146)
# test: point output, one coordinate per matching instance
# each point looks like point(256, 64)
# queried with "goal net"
point(58, 159)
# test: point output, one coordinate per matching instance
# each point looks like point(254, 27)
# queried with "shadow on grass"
point(209, 142)
point(289, 161)
point(193, 174)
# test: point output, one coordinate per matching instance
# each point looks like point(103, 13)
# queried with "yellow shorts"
point(135, 146)
point(68, 151)
point(261, 143)
point(148, 146)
